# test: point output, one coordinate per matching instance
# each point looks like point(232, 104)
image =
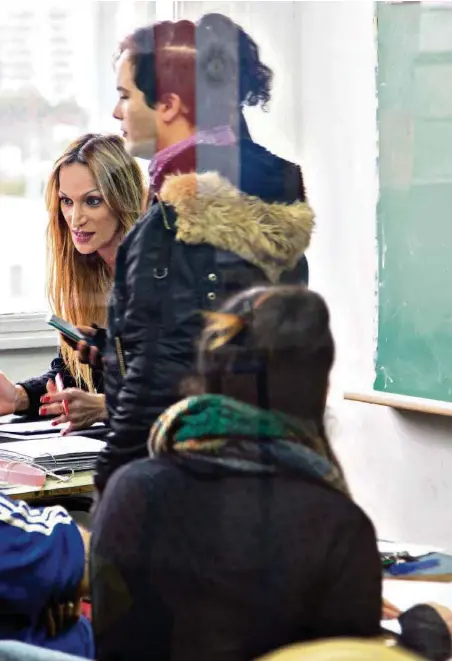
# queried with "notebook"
point(72, 452)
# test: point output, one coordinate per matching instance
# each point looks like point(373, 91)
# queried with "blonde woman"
point(94, 196)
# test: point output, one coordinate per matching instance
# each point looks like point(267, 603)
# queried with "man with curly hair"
point(224, 212)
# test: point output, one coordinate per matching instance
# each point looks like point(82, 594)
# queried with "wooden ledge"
point(402, 402)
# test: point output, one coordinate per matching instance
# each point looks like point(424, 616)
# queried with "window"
point(37, 85)
point(36, 122)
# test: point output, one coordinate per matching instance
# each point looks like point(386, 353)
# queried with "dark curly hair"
point(213, 65)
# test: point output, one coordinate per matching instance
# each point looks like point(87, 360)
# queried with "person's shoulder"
point(359, 525)
point(283, 178)
point(336, 508)
point(147, 468)
point(42, 522)
point(157, 215)
point(139, 476)
point(355, 514)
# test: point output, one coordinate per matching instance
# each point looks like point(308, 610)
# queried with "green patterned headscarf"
point(245, 438)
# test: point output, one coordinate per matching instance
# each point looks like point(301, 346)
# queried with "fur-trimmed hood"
point(271, 235)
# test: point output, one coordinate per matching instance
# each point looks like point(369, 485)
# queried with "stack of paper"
point(415, 550)
point(78, 453)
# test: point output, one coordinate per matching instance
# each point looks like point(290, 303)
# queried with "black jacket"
point(36, 386)
point(242, 221)
point(191, 562)
point(195, 563)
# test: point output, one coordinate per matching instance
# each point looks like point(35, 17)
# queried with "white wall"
point(324, 115)
point(275, 27)
point(20, 365)
point(399, 465)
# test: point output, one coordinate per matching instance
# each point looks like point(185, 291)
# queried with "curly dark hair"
point(213, 61)
point(255, 78)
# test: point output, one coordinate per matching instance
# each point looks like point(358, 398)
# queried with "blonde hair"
point(78, 285)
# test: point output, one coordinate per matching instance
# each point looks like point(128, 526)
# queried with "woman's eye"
point(65, 201)
point(94, 201)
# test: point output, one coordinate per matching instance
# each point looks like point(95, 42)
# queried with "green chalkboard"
point(414, 216)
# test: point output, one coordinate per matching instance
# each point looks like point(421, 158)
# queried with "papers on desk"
point(39, 427)
point(405, 594)
point(78, 453)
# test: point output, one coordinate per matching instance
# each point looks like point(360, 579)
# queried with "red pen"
point(60, 388)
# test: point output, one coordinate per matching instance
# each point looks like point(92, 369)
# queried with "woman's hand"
point(13, 399)
point(84, 408)
point(87, 354)
point(61, 617)
point(85, 330)
point(389, 611)
point(444, 613)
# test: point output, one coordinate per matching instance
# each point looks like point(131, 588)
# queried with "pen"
point(60, 388)
point(410, 567)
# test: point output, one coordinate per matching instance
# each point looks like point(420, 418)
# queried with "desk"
point(80, 484)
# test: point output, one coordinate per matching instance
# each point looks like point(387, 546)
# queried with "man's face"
point(138, 120)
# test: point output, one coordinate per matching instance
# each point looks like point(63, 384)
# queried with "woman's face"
point(92, 225)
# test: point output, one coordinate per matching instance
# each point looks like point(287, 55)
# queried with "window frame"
point(26, 331)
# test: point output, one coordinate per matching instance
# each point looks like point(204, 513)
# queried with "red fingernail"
point(45, 399)
point(53, 423)
point(43, 410)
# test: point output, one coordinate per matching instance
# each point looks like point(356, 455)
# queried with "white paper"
point(405, 594)
point(59, 446)
point(391, 625)
point(415, 550)
point(37, 427)
point(22, 437)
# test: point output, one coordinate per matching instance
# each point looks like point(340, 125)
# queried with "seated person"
point(94, 196)
point(238, 535)
point(42, 578)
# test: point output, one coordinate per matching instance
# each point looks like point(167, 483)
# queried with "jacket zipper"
point(120, 356)
point(162, 209)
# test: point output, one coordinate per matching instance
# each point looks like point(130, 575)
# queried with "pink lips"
point(83, 237)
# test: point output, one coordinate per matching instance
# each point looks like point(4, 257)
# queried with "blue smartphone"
point(69, 331)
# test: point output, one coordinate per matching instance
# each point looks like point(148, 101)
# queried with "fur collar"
point(272, 236)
